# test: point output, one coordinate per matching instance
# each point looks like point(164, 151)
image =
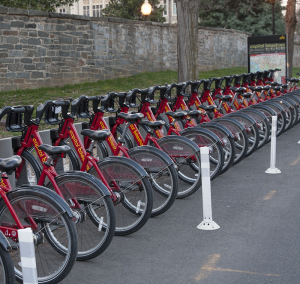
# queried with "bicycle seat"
point(266, 88)
point(208, 108)
point(131, 117)
point(238, 90)
point(272, 83)
point(246, 95)
point(278, 88)
point(194, 113)
point(284, 86)
point(153, 124)
point(298, 74)
point(256, 89)
point(96, 135)
point(176, 115)
point(52, 150)
point(226, 98)
point(9, 164)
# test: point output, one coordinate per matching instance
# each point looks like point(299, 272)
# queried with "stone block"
point(17, 24)
point(37, 75)
point(40, 51)
point(11, 87)
point(30, 26)
point(33, 34)
point(10, 75)
point(34, 41)
point(16, 53)
point(36, 13)
point(17, 11)
point(64, 53)
point(70, 63)
point(15, 67)
point(29, 67)
point(3, 10)
point(65, 40)
point(60, 28)
point(26, 60)
point(18, 47)
point(85, 42)
point(43, 34)
point(69, 75)
point(12, 40)
point(40, 66)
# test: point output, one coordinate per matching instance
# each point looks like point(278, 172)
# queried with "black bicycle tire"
point(8, 266)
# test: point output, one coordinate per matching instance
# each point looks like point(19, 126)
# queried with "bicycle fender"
point(255, 111)
point(232, 120)
point(87, 177)
point(200, 130)
point(151, 149)
point(126, 135)
point(40, 191)
point(217, 126)
point(246, 116)
point(129, 162)
point(4, 243)
point(265, 107)
point(181, 139)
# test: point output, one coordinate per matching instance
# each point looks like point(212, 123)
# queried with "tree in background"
point(43, 5)
point(254, 16)
point(290, 27)
point(131, 9)
point(187, 39)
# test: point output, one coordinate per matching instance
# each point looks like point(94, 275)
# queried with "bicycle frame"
point(12, 231)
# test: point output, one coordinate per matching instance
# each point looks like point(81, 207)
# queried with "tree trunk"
point(187, 39)
point(290, 26)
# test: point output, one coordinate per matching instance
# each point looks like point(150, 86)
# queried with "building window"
point(96, 11)
point(86, 10)
point(106, 5)
point(101, 14)
point(174, 9)
point(165, 7)
point(62, 11)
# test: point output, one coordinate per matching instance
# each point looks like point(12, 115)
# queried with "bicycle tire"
point(263, 124)
point(269, 112)
point(227, 140)
point(96, 208)
point(7, 272)
point(205, 138)
point(66, 236)
point(124, 175)
point(31, 170)
point(189, 181)
point(241, 140)
point(252, 133)
point(288, 111)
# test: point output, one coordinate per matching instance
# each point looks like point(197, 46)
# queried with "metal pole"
point(207, 223)
point(273, 4)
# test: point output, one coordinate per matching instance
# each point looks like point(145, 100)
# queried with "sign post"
point(268, 52)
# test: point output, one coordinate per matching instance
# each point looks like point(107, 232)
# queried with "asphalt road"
point(258, 242)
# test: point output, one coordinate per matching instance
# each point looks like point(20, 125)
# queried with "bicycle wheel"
point(240, 136)
point(291, 109)
point(281, 115)
point(186, 156)
point(165, 184)
point(263, 124)
point(163, 176)
point(251, 129)
point(7, 272)
point(30, 171)
point(93, 212)
point(269, 112)
point(54, 225)
point(288, 112)
point(62, 165)
point(131, 184)
point(227, 140)
point(205, 138)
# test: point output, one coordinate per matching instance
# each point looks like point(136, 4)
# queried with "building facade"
point(93, 8)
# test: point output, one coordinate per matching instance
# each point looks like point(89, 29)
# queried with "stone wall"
point(48, 49)
point(296, 57)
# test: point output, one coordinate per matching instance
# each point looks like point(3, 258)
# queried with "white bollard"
point(207, 223)
point(273, 169)
point(27, 252)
